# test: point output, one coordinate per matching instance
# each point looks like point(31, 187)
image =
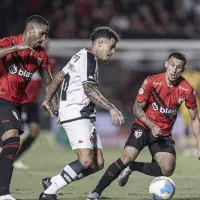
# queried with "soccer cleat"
point(7, 197)
point(20, 165)
point(46, 182)
point(93, 196)
point(47, 196)
point(124, 176)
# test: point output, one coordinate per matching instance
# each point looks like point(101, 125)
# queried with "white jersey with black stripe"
point(74, 104)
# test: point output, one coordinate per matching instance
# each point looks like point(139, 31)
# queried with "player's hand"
point(198, 154)
point(117, 117)
point(156, 131)
point(48, 108)
point(24, 46)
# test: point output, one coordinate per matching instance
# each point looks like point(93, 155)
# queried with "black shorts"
point(10, 117)
point(141, 137)
point(30, 113)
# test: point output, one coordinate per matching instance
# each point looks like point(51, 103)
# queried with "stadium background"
point(149, 31)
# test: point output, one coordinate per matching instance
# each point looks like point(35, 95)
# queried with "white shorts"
point(82, 134)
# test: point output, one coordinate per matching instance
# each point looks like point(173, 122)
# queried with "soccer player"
point(156, 109)
point(79, 95)
point(30, 111)
point(20, 57)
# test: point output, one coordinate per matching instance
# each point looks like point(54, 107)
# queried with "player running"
point(155, 108)
point(79, 95)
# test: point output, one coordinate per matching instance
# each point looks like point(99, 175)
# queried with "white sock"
point(57, 183)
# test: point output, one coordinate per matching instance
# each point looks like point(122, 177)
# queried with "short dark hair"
point(37, 19)
point(105, 32)
point(178, 55)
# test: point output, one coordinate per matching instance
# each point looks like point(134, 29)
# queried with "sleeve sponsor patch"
point(141, 91)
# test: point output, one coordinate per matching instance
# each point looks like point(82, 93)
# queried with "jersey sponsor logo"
point(141, 91)
point(138, 133)
point(13, 70)
point(171, 111)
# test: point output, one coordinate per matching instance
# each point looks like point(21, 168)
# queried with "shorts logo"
point(138, 133)
point(80, 141)
point(91, 138)
point(15, 115)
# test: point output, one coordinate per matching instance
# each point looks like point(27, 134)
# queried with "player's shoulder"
point(185, 84)
point(155, 77)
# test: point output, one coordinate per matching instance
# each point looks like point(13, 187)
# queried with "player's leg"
point(134, 144)
point(10, 128)
point(139, 139)
point(112, 172)
point(164, 161)
point(30, 114)
point(79, 133)
point(164, 154)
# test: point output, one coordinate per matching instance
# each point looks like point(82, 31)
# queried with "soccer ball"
point(161, 188)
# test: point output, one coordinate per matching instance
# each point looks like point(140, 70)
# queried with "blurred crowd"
point(131, 18)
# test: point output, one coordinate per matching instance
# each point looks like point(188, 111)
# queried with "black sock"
point(151, 169)
point(110, 175)
point(26, 144)
point(71, 171)
point(7, 157)
point(85, 173)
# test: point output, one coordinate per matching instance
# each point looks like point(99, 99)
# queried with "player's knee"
point(86, 161)
point(126, 158)
point(167, 170)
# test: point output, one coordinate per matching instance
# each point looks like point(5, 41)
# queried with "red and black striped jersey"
point(17, 68)
point(163, 102)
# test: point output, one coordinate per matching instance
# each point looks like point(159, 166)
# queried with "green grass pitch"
point(46, 159)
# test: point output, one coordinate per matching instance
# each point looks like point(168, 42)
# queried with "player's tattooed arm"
point(96, 97)
point(51, 89)
point(54, 85)
point(138, 111)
